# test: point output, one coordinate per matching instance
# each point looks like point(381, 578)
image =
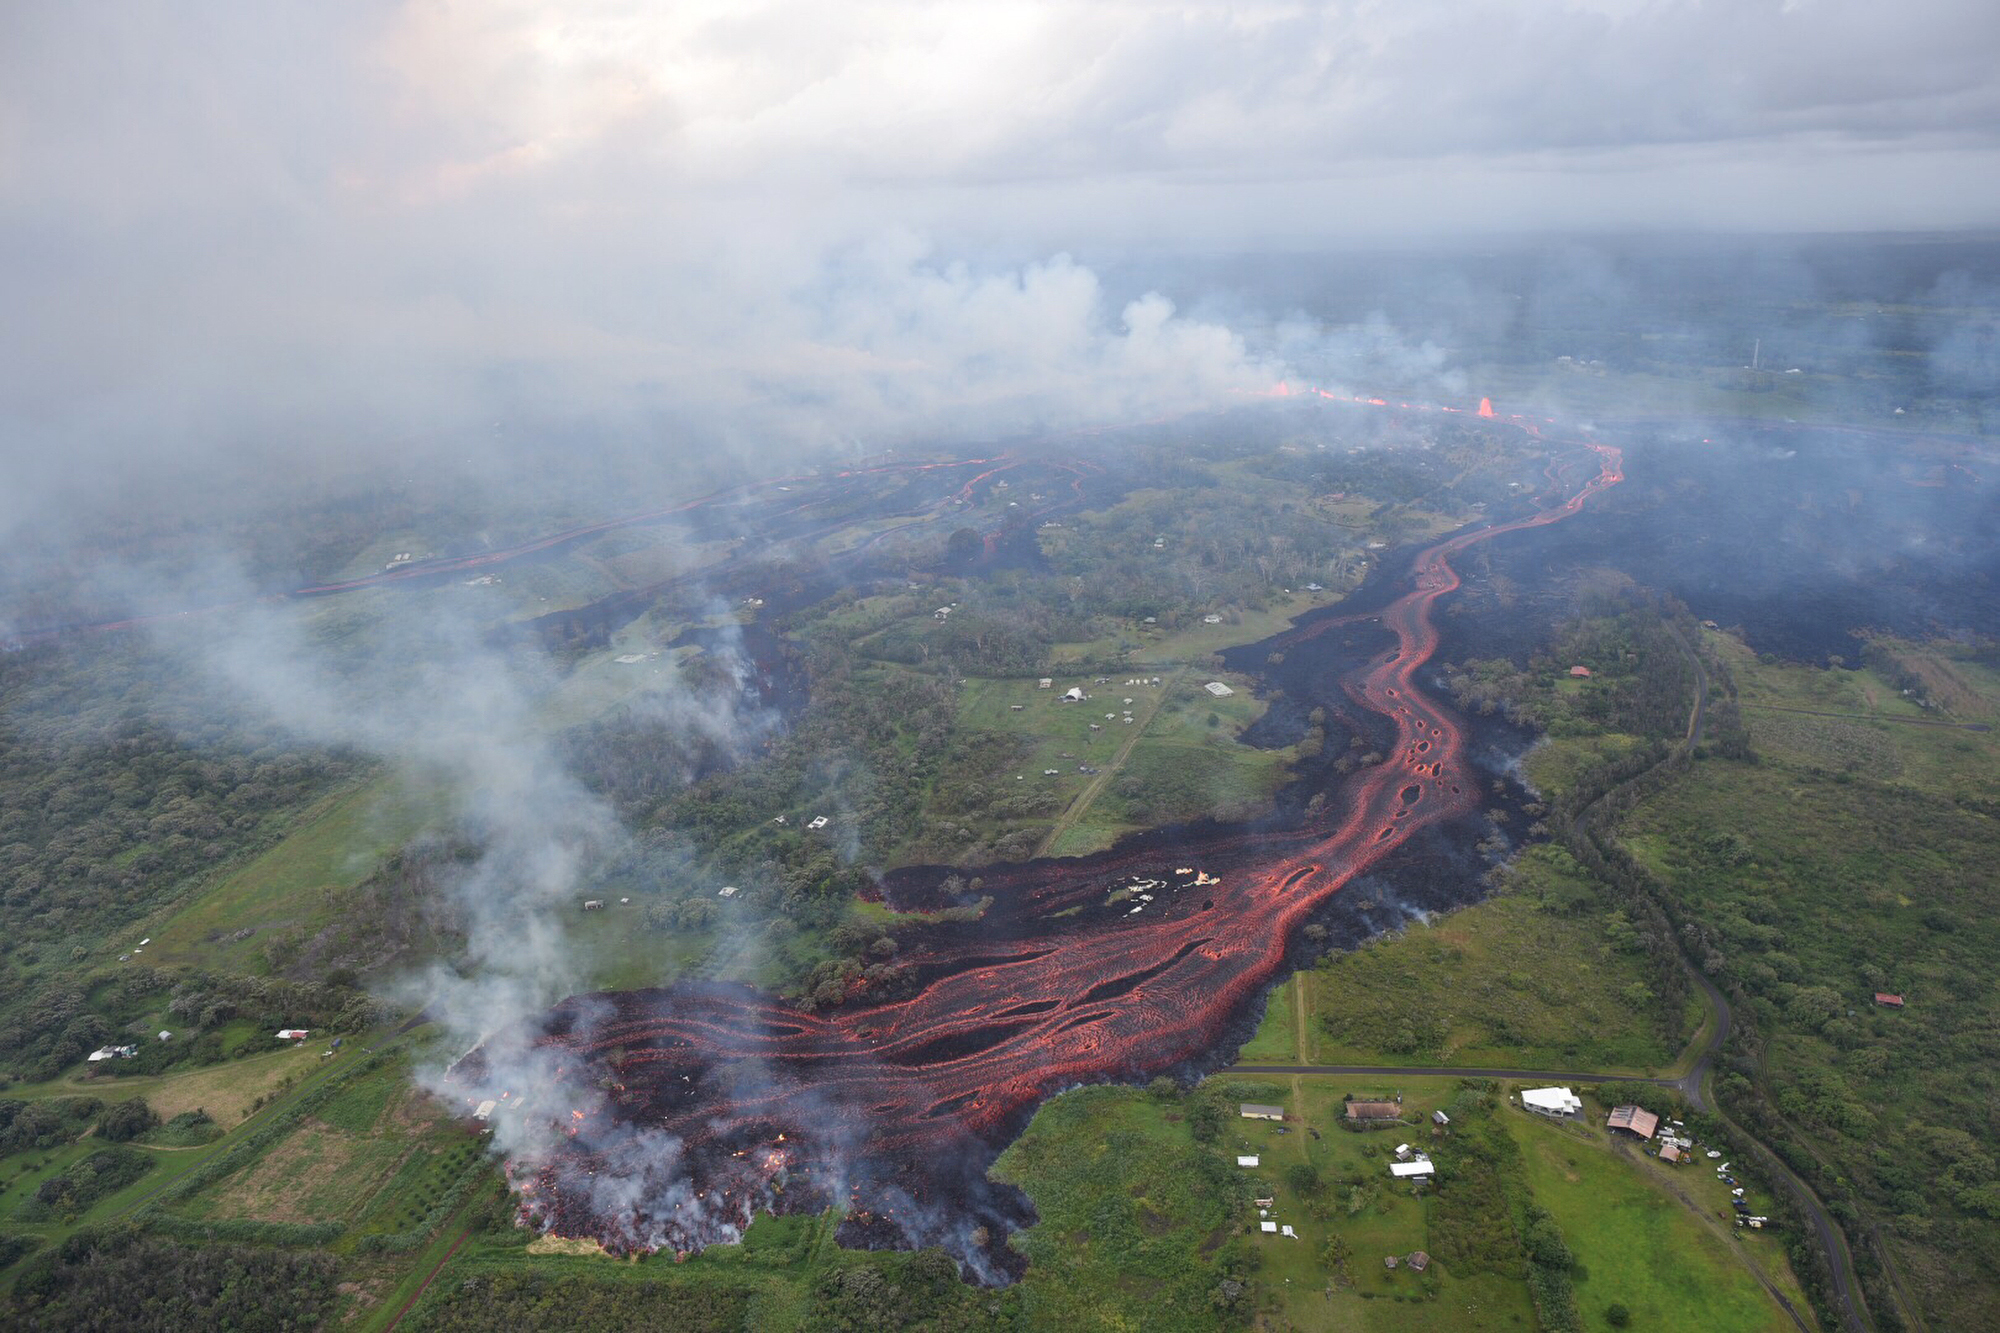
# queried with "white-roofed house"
point(1552, 1101)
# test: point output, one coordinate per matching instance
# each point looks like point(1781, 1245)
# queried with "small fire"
point(1486, 407)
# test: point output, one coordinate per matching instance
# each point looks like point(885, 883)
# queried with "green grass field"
point(1636, 1245)
point(298, 884)
point(1497, 984)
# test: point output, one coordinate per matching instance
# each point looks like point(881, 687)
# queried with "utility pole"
point(1756, 353)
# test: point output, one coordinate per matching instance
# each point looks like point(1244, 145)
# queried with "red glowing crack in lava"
point(903, 1103)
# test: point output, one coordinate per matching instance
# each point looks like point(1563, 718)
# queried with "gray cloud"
point(290, 236)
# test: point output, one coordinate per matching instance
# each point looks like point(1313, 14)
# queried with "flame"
point(1486, 407)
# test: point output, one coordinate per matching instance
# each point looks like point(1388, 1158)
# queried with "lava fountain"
point(684, 1110)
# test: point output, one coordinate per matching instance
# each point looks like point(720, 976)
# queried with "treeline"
point(117, 1280)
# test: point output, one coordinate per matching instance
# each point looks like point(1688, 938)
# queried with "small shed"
point(593, 904)
point(1440, 1118)
point(1579, 672)
point(1073, 695)
point(1269, 1228)
point(1046, 682)
point(1247, 1159)
point(1888, 1001)
point(1258, 1111)
point(1218, 689)
point(1417, 1261)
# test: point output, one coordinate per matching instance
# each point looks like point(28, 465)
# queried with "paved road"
point(1452, 1071)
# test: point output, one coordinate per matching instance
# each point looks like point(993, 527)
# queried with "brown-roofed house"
point(1633, 1120)
point(1670, 1153)
point(1888, 1001)
point(1418, 1261)
point(1373, 1111)
point(1580, 672)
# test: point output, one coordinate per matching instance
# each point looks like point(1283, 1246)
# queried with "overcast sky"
point(265, 226)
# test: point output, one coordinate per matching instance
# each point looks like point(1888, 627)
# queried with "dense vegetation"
point(110, 1282)
point(532, 1300)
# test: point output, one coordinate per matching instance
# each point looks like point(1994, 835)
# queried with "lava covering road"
point(686, 1109)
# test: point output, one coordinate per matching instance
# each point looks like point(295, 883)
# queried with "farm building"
point(1218, 689)
point(1552, 1101)
point(1073, 695)
point(1374, 1112)
point(1634, 1120)
point(293, 1034)
point(1258, 1111)
point(1406, 1170)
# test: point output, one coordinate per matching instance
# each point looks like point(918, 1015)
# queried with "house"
point(1374, 1112)
point(1390, 1261)
point(1670, 1154)
point(1552, 1101)
point(1269, 1228)
point(1258, 1111)
point(593, 904)
point(726, 891)
point(1045, 683)
point(1248, 1159)
point(1407, 1170)
point(1580, 672)
point(1440, 1118)
point(1287, 1231)
point(166, 1036)
point(1218, 689)
point(485, 1109)
point(112, 1053)
point(817, 821)
point(1888, 1001)
point(1211, 620)
point(1417, 1261)
point(1402, 1152)
point(293, 1034)
point(1633, 1120)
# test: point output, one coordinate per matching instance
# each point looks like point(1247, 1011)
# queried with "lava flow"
point(702, 1103)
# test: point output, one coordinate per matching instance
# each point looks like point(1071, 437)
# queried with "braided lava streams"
point(685, 1109)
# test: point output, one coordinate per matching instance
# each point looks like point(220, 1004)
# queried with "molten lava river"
point(679, 1112)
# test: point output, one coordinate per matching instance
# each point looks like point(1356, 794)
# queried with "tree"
point(1617, 1315)
point(127, 1120)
